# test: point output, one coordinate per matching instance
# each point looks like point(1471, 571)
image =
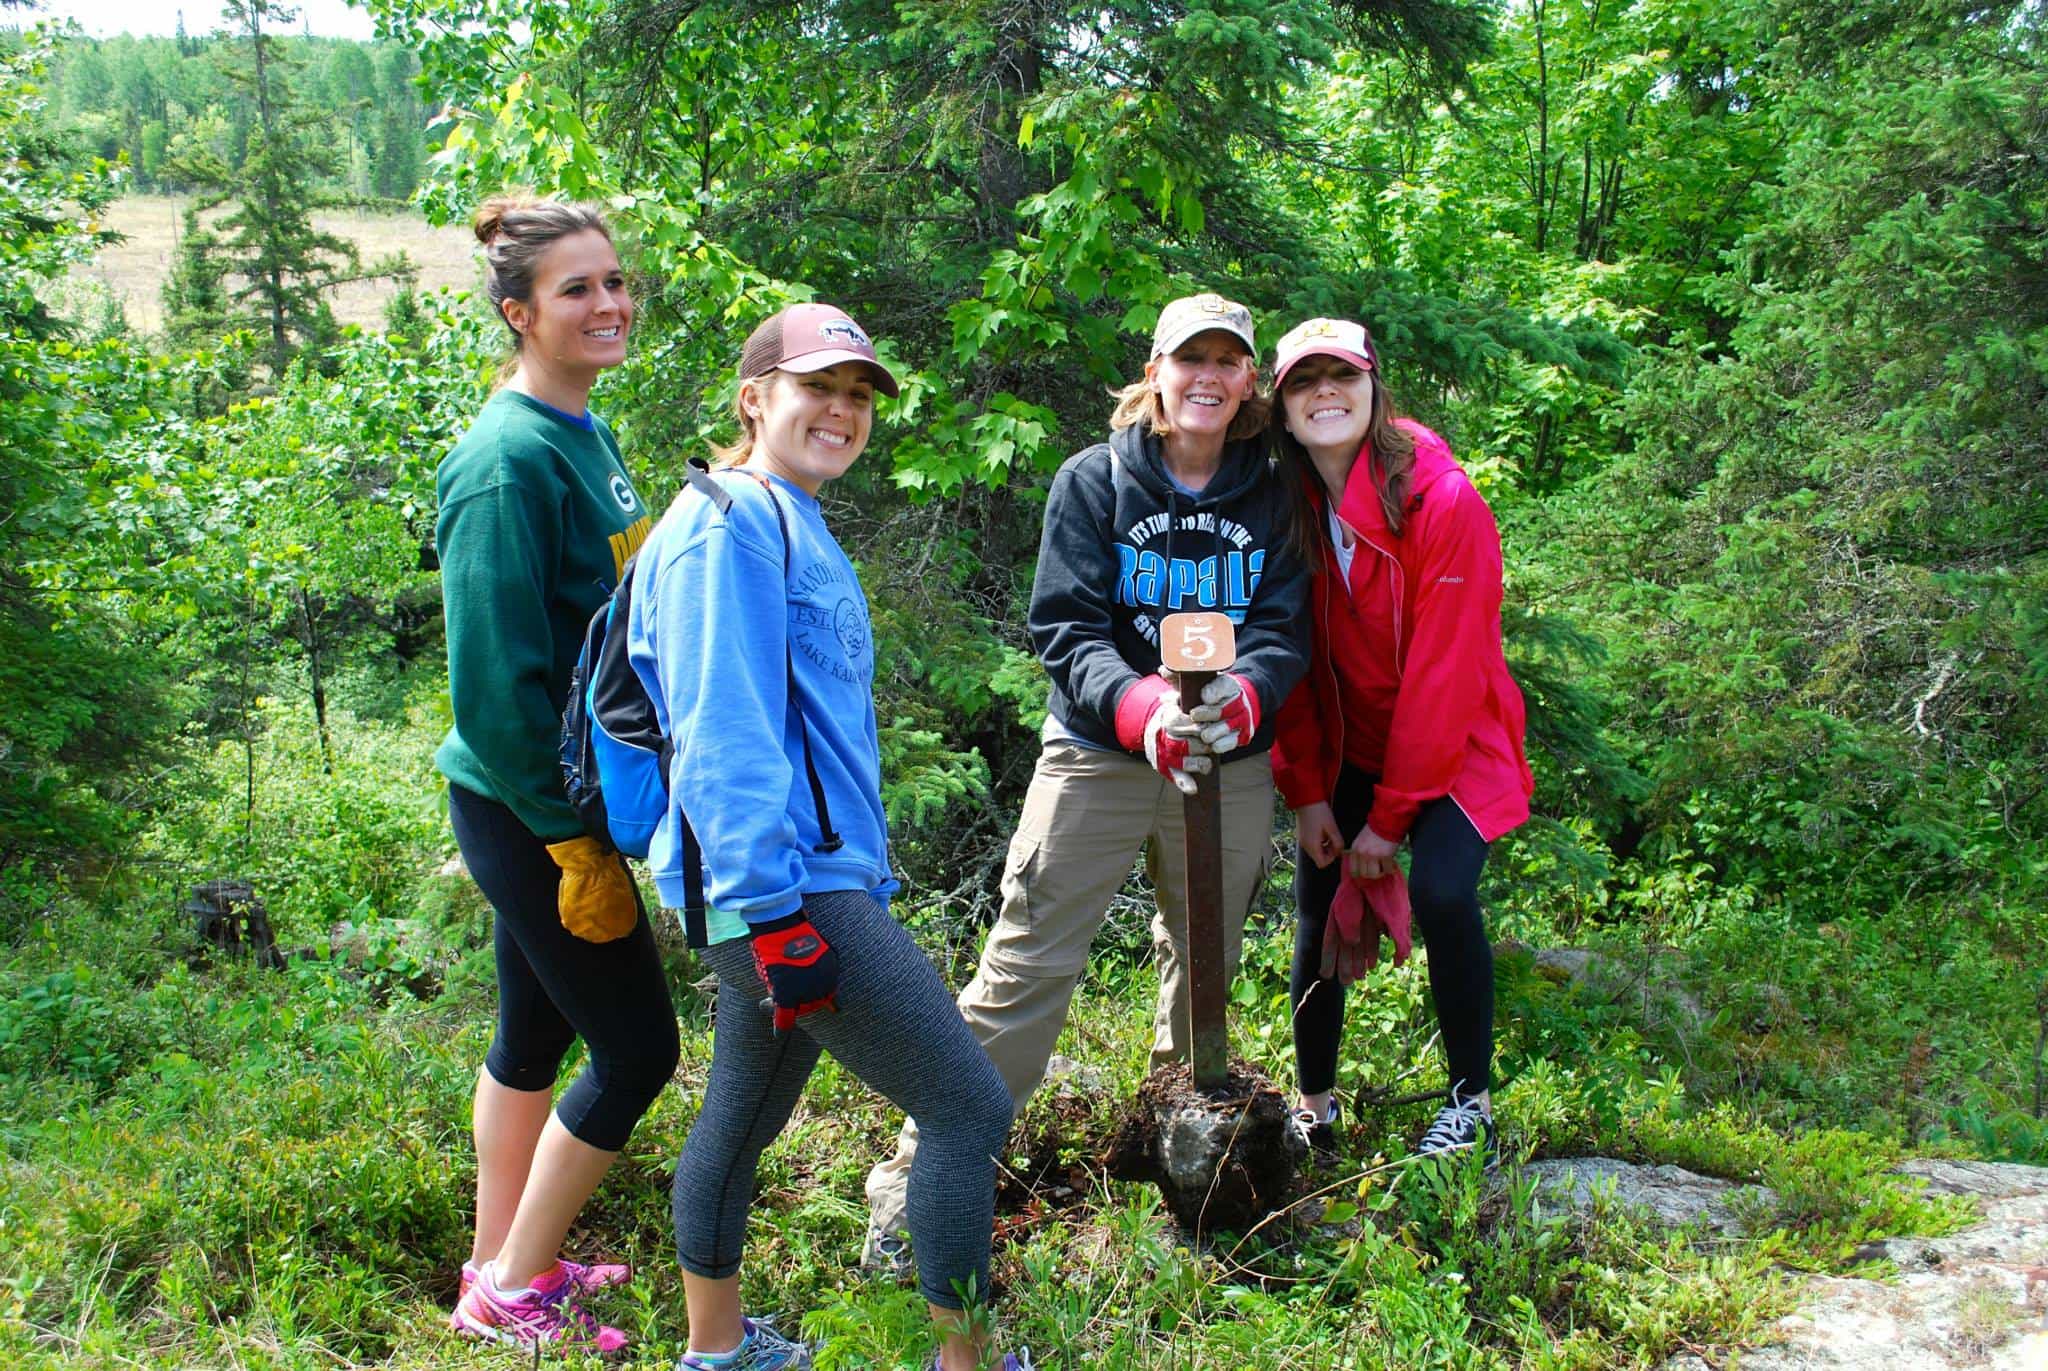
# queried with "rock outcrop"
point(1976, 1298)
point(1669, 1194)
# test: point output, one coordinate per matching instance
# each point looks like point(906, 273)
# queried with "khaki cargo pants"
point(1085, 816)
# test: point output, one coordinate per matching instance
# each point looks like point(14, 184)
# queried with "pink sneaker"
point(595, 1276)
point(545, 1312)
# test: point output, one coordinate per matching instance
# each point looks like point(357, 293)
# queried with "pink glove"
point(1344, 951)
point(1351, 940)
point(1387, 897)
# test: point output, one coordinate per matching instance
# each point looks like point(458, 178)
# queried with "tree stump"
point(1222, 1160)
point(227, 917)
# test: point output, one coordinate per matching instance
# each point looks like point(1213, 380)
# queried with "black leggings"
point(1446, 855)
point(553, 986)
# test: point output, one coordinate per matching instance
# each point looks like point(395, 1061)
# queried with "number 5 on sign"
point(1197, 642)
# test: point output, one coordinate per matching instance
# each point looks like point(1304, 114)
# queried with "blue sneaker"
point(761, 1349)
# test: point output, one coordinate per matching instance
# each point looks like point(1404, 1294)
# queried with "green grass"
point(213, 1165)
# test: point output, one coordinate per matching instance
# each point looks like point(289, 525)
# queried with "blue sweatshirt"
point(708, 643)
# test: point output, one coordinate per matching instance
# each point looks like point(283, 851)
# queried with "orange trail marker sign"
point(1195, 647)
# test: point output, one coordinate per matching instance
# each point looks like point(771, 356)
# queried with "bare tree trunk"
point(1543, 190)
point(1542, 465)
point(1018, 69)
point(307, 613)
point(248, 740)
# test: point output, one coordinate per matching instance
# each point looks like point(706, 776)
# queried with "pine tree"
point(399, 156)
point(195, 296)
point(279, 265)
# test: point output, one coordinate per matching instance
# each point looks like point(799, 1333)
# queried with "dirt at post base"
point(1222, 1162)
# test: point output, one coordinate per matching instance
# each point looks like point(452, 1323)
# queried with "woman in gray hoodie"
point(1179, 510)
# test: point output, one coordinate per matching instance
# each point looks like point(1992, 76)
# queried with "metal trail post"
point(1197, 647)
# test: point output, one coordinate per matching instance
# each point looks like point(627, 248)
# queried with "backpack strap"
point(828, 836)
point(698, 476)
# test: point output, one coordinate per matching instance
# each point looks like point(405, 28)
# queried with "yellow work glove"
point(597, 900)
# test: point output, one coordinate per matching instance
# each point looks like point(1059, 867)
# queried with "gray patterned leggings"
point(899, 1031)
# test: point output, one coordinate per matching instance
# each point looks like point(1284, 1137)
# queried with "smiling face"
point(1328, 403)
point(575, 323)
point(809, 426)
point(1201, 384)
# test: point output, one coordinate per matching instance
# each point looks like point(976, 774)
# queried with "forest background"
point(1737, 312)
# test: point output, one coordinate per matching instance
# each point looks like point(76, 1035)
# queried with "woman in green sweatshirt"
point(537, 522)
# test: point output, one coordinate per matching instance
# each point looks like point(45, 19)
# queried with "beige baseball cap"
point(1193, 314)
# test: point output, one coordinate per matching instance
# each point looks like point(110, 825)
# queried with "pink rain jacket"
point(1406, 680)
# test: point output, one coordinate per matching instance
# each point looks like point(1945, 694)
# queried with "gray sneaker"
point(887, 1254)
point(762, 1349)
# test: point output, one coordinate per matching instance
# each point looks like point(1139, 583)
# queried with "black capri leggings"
point(553, 986)
point(1446, 856)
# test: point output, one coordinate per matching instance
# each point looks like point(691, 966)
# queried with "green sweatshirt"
point(537, 521)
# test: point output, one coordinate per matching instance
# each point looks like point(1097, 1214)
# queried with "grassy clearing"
point(131, 273)
point(216, 1166)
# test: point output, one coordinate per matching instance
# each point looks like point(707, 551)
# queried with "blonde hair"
point(737, 452)
point(1139, 401)
point(516, 230)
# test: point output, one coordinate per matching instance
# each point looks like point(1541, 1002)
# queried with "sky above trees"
point(104, 18)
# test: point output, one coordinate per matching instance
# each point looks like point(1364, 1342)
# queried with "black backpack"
point(615, 758)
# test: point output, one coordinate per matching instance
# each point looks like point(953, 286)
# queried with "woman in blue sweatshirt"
point(751, 634)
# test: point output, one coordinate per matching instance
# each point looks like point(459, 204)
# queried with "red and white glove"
point(1149, 719)
point(1228, 714)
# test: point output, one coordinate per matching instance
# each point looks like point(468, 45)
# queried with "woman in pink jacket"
point(1407, 728)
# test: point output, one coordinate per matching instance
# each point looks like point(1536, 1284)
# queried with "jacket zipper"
point(1330, 665)
point(1335, 684)
point(1400, 595)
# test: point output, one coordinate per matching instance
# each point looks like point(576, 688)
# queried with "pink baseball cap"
point(1326, 338)
point(811, 338)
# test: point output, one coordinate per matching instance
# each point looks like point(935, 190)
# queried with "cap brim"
point(1357, 359)
point(1163, 346)
point(885, 381)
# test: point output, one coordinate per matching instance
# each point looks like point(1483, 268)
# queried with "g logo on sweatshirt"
point(622, 491)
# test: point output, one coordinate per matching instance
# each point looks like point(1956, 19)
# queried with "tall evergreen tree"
point(399, 142)
point(279, 264)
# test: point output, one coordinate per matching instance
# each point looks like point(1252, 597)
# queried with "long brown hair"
point(1387, 445)
point(516, 230)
